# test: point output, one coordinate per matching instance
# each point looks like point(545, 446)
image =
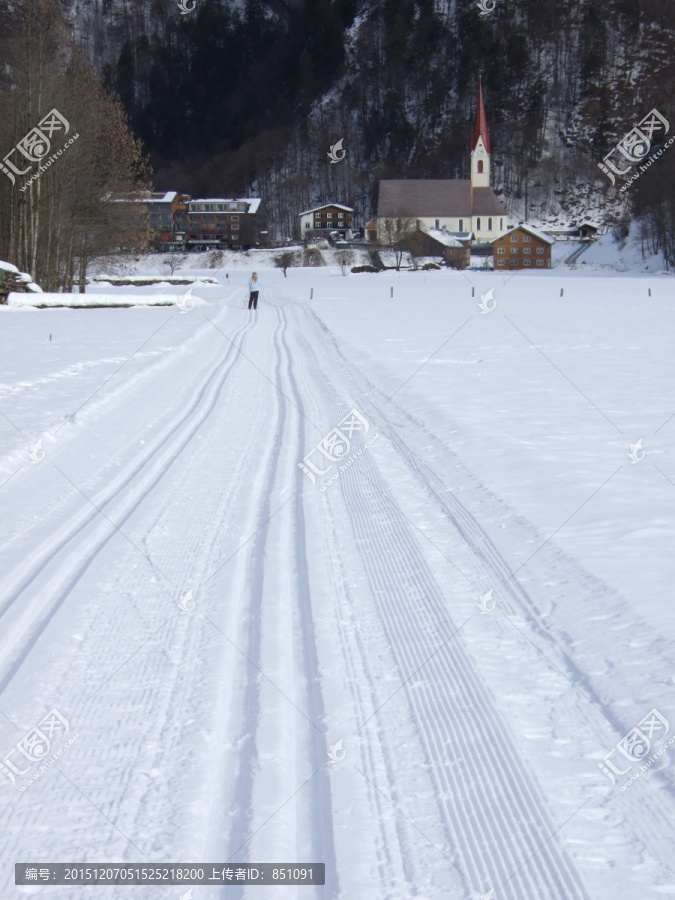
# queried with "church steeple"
point(480, 145)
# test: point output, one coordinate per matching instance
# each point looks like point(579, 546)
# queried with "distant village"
point(448, 220)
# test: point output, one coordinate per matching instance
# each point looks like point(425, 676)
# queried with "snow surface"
point(149, 453)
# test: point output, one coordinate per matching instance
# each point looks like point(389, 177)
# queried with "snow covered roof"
point(531, 230)
point(8, 267)
point(326, 206)
point(444, 237)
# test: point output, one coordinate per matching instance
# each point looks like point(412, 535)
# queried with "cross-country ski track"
point(313, 617)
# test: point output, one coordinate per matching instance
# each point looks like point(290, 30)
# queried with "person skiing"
point(254, 287)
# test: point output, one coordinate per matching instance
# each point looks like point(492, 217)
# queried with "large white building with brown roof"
point(457, 206)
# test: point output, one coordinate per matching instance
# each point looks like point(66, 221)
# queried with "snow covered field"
point(468, 607)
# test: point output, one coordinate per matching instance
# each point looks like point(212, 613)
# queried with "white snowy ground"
point(165, 450)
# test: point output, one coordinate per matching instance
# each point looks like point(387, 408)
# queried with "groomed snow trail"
point(211, 624)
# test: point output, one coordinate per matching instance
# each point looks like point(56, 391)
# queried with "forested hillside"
point(238, 97)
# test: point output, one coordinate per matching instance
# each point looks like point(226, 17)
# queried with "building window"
point(235, 218)
point(514, 238)
point(527, 250)
point(540, 262)
point(514, 249)
point(480, 166)
point(540, 249)
point(514, 262)
point(500, 262)
point(329, 215)
point(501, 250)
point(235, 228)
point(308, 224)
point(527, 238)
point(478, 224)
point(489, 224)
point(527, 262)
point(438, 224)
point(461, 224)
point(501, 224)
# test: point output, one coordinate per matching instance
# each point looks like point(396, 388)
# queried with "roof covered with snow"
point(8, 267)
point(530, 230)
point(253, 202)
point(445, 238)
point(326, 206)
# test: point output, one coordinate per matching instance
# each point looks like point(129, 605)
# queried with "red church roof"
point(480, 128)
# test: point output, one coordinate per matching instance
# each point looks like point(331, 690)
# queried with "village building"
point(455, 251)
point(321, 220)
point(456, 206)
point(232, 224)
point(523, 247)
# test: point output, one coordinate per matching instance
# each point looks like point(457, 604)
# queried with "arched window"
point(478, 224)
point(489, 224)
point(480, 166)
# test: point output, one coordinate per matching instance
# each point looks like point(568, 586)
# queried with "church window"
point(489, 224)
point(480, 166)
point(478, 224)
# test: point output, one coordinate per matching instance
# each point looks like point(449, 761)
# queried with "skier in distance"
point(254, 287)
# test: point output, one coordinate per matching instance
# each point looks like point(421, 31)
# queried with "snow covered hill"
point(377, 579)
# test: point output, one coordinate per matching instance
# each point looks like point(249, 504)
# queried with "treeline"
point(61, 171)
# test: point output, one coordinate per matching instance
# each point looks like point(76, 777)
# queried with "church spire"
point(480, 145)
point(480, 128)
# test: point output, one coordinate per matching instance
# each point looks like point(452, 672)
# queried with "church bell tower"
point(480, 146)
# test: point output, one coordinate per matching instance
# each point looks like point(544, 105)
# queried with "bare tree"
point(285, 260)
point(393, 232)
point(173, 261)
point(344, 258)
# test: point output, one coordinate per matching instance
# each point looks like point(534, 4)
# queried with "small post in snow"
point(473, 291)
point(50, 337)
point(561, 291)
point(391, 291)
point(650, 291)
point(311, 293)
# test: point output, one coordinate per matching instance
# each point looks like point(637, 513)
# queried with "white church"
point(461, 207)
